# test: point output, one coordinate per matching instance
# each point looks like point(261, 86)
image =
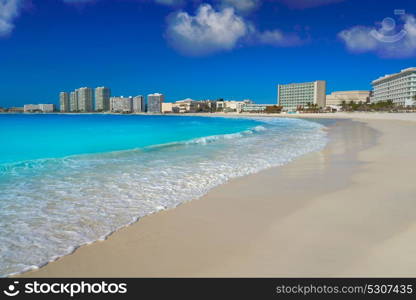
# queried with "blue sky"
point(233, 49)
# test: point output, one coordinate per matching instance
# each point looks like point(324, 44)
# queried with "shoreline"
point(150, 247)
point(231, 173)
point(334, 115)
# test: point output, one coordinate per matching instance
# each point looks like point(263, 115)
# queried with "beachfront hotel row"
point(86, 99)
point(400, 88)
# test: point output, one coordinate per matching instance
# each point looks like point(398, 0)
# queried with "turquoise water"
point(29, 137)
point(68, 180)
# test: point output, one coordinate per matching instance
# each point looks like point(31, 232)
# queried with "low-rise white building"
point(235, 106)
point(39, 108)
point(186, 106)
point(255, 108)
point(167, 107)
point(337, 98)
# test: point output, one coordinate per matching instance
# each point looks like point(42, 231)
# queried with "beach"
point(347, 210)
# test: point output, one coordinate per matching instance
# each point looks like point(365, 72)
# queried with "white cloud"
point(9, 10)
point(358, 39)
point(211, 31)
point(397, 42)
point(243, 6)
point(301, 4)
point(207, 32)
point(278, 38)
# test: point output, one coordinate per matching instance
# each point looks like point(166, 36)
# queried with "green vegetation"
point(379, 106)
point(310, 108)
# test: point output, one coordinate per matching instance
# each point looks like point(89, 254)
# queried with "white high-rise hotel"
point(127, 104)
point(85, 99)
point(138, 104)
point(399, 87)
point(154, 102)
point(102, 98)
point(73, 101)
point(294, 95)
point(64, 102)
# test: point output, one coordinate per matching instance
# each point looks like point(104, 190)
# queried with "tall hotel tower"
point(294, 95)
point(73, 101)
point(85, 96)
point(102, 98)
point(138, 104)
point(154, 102)
point(64, 101)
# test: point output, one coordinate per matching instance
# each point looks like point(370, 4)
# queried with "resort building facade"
point(121, 104)
point(185, 106)
point(168, 107)
point(102, 98)
point(73, 101)
point(235, 106)
point(85, 99)
point(154, 102)
point(399, 88)
point(337, 98)
point(39, 108)
point(255, 108)
point(64, 102)
point(194, 106)
point(138, 104)
point(294, 95)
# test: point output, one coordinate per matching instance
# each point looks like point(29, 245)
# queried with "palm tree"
point(344, 104)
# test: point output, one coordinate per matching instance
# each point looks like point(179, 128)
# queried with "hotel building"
point(85, 96)
point(168, 107)
point(102, 98)
point(39, 108)
point(154, 102)
point(138, 104)
point(251, 107)
point(121, 104)
point(294, 95)
point(236, 106)
point(337, 98)
point(73, 101)
point(47, 107)
point(64, 101)
point(399, 87)
point(186, 106)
